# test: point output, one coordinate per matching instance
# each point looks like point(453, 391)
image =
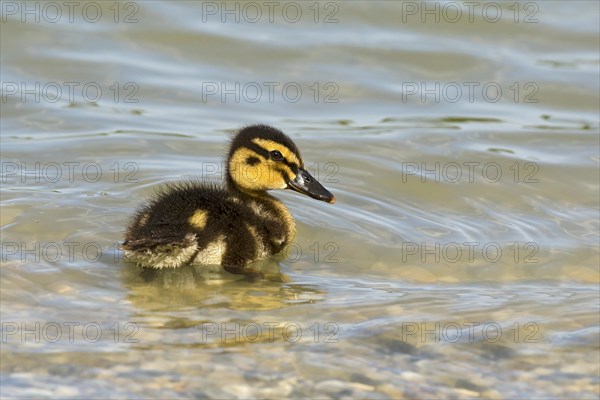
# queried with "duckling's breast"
point(271, 225)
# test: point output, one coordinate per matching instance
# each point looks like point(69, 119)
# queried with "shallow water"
point(460, 259)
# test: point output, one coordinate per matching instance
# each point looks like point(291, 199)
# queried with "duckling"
point(231, 224)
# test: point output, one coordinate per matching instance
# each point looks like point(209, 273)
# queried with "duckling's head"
point(264, 158)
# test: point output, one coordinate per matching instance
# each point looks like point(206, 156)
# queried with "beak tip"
point(332, 200)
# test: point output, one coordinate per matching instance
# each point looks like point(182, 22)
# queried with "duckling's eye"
point(276, 156)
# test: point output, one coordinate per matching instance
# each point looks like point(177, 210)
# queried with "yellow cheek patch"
point(198, 219)
point(260, 176)
point(269, 178)
point(285, 152)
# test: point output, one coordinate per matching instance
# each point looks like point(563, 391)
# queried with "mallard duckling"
point(232, 224)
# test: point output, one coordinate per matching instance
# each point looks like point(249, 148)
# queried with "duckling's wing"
point(150, 243)
point(165, 220)
point(160, 234)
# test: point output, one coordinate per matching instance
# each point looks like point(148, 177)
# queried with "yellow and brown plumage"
point(232, 224)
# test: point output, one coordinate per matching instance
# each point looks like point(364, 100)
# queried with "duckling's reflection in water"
point(201, 286)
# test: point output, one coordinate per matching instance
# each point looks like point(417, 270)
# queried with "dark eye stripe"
point(266, 154)
point(293, 166)
point(284, 175)
point(258, 150)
